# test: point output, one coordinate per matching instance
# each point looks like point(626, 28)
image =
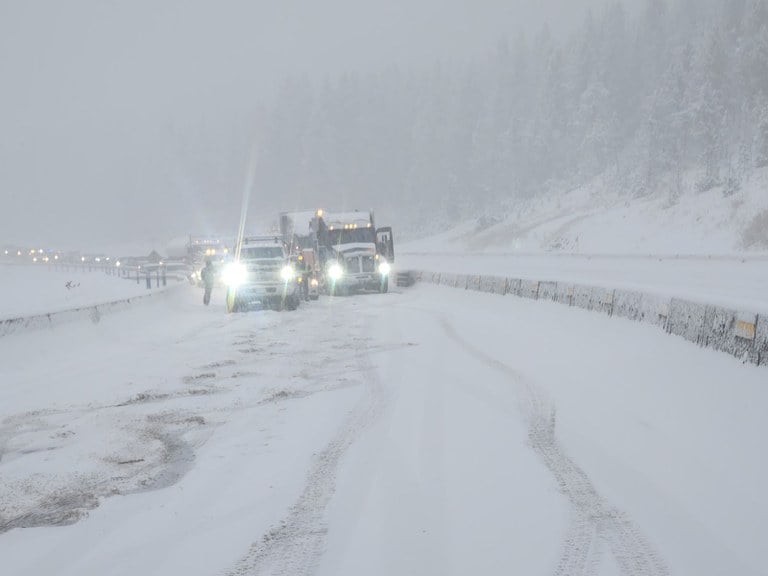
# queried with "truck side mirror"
point(385, 243)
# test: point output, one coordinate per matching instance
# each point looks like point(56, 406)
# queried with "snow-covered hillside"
point(601, 219)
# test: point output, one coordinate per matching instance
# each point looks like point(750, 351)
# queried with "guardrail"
point(150, 275)
point(92, 313)
point(742, 334)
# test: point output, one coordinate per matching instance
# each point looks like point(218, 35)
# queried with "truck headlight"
point(335, 271)
point(287, 273)
point(384, 268)
point(314, 283)
point(234, 274)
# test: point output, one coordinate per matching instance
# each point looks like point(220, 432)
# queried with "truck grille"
point(352, 265)
point(360, 264)
point(263, 273)
point(368, 264)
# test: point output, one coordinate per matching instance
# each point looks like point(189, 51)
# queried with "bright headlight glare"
point(287, 273)
point(334, 271)
point(313, 282)
point(384, 268)
point(234, 274)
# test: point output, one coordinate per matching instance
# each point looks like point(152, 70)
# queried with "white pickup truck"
point(261, 276)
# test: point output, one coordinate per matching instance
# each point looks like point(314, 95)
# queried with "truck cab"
point(354, 255)
point(261, 276)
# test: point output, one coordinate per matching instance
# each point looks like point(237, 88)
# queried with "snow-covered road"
point(431, 431)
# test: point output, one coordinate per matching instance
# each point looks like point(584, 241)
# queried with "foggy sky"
point(130, 121)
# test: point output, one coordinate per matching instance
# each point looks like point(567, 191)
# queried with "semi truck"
point(353, 253)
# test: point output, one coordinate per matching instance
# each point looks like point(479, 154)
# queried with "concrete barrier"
point(741, 334)
point(628, 304)
point(500, 285)
point(529, 289)
point(487, 284)
point(723, 330)
point(564, 293)
point(761, 341)
point(601, 300)
point(513, 286)
point(548, 291)
point(686, 319)
point(582, 296)
point(448, 280)
point(641, 307)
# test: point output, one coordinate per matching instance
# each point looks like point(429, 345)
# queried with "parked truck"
point(261, 275)
point(353, 254)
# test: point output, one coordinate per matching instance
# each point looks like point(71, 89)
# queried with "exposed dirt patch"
point(220, 364)
point(152, 397)
point(244, 374)
point(199, 377)
point(58, 509)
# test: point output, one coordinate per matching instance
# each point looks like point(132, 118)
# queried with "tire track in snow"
point(295, 546)
point(595, 523)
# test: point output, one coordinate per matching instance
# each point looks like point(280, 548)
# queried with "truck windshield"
point(351, 236)
point(255, 252)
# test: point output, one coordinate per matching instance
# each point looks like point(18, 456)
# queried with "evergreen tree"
point(642, 98)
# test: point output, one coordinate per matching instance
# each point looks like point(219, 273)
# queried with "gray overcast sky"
point(111, 111)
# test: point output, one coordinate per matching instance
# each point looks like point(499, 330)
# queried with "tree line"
point(640, 98)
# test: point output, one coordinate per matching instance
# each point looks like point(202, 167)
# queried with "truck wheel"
point(292, 303)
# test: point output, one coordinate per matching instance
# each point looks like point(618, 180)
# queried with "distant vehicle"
point(261, 276)
point(307, 264)
point(296, 232)
point(199, 248)
point(354, 255)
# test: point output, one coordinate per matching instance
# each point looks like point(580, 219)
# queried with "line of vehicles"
point(310, 253)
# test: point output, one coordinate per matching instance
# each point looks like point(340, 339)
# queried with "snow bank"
point(741, 333)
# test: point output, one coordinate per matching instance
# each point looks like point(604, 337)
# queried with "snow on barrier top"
point(93, 313)
point(740, 333)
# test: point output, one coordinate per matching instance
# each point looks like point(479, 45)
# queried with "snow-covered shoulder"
point(32, 290)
